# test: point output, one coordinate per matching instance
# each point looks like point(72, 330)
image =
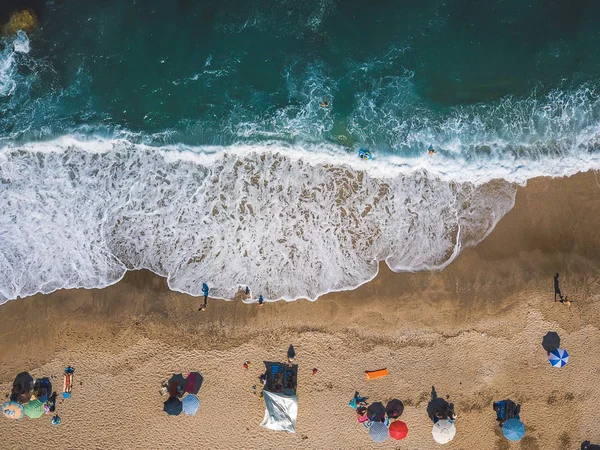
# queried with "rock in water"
point(24, 20)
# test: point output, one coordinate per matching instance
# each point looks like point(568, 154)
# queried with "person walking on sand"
point(557, 288)
point(205, 292)
point(261, 300)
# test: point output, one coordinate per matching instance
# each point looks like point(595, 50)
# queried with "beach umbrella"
point(13, 410)
point(443, 431)
point(190, 404)
point(376, 412)
point(193, 382)
point(513, 430)
point(558, 357)
point(394, 408)
point(379, 432)
point(176, 381)
point(551, 341)
point(22, 385)
point(398, 430)
point(34, 409)
point(173, 406)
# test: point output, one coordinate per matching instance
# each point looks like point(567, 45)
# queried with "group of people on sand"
point(246, 295)
point(35, 398)
point(369, 414)
point(439, 409)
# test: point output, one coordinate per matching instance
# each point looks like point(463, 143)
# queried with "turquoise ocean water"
point(187, 137)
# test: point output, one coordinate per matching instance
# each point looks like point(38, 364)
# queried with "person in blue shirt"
point(205, 292)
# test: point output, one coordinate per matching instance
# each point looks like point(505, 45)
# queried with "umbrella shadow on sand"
point(551, 341)
point(437, 407)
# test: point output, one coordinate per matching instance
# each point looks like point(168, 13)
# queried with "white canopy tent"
point(281, 412)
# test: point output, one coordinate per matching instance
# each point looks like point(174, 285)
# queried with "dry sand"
point(473, 330)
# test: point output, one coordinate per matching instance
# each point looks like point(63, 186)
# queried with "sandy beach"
point(473, 330)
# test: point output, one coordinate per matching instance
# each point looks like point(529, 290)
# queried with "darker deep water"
point(395, 73)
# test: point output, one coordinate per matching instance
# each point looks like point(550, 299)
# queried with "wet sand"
point(473, 330)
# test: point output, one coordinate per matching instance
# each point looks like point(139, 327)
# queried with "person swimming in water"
point(324, 104)
point(364, 154)
point(430, 150)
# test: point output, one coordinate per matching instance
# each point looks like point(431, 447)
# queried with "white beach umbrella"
point(443, 431)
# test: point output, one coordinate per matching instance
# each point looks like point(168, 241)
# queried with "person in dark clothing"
point(450, 414)
point(52, 402)
point(587, 445)
point(557, 288)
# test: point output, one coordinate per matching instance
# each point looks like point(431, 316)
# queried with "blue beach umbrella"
point(558, 357)
point(513, 430)
point(191, 403)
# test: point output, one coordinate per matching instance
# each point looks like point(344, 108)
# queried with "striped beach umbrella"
point(190, 404)
point(513, 430)
point(34, 409)
point(379, 432)
point(558, 357)
point(443, 431)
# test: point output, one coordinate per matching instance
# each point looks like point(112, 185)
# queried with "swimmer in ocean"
point(324, 104)
point(431, 151)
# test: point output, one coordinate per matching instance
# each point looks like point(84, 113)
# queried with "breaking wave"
point(80, 213)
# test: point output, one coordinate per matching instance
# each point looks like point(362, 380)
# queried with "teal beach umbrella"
point(513, 430)
point(34, 409)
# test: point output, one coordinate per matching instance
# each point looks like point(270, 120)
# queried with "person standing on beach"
point(205, 292)
point(557, 288)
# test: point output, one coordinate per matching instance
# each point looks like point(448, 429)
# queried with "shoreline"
point(492, 304)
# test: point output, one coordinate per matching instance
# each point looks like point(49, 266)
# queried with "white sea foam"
point(21, 42)
point(79, 213)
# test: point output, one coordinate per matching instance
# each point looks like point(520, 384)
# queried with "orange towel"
point(371, 374)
